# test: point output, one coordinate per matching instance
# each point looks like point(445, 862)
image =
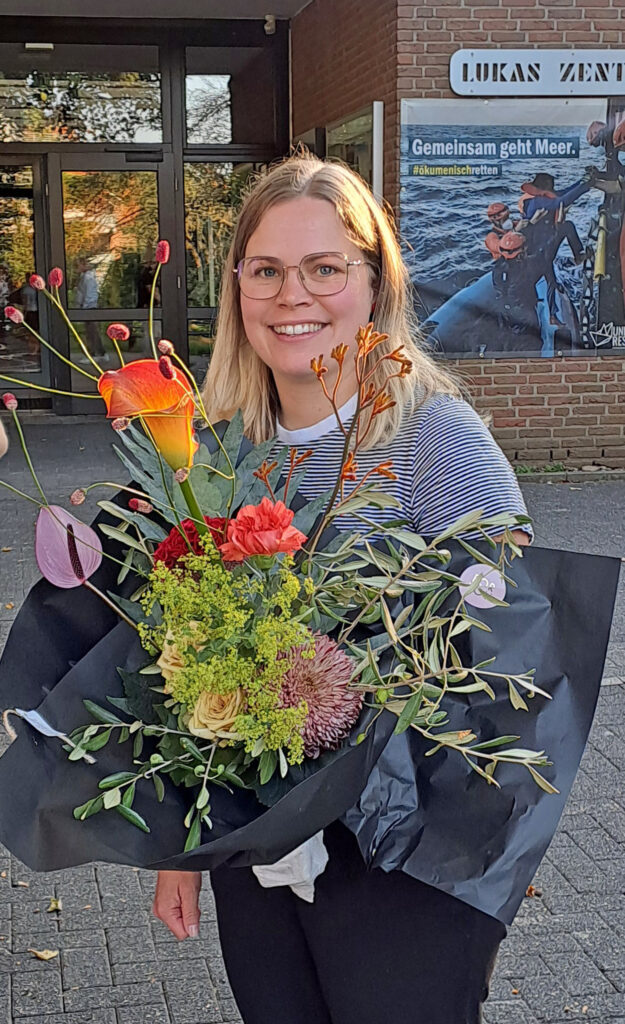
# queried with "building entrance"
point(105, 149)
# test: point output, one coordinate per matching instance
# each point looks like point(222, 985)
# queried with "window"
point(229, 95)
point(80, 94)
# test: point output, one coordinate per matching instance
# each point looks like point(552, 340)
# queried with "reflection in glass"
point(111, 231)
point(219, 84)
point(352, 142)
point(93, 334)
point(201, 339)
point(19, 351)
point(213, 194)
point(71, 94)
point(209, 117)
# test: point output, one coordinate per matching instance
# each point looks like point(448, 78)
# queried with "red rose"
point(263, 529)
point(174, 546)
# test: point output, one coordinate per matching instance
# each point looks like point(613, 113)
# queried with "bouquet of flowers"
point(271, 639)
point(247, 609)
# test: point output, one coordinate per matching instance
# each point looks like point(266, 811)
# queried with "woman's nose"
point(293, 291)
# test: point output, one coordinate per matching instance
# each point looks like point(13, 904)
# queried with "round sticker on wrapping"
point(492, 584)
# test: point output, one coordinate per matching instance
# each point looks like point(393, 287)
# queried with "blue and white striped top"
point(447, 463)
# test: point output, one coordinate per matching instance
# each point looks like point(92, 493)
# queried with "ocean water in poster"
point(512, 224)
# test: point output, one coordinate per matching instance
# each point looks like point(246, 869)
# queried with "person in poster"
point(513, 222)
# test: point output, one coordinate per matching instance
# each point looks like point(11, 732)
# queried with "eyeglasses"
point(321, 273)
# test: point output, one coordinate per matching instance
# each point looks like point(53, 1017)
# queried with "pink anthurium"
point(68, 552)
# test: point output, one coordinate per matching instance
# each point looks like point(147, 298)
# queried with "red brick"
point(586, 388)
point(534, 411)
point(564, 400)
point(508, 421)
point(501, 389)
point(553, 421)
point(508, 37)
point(606, 430)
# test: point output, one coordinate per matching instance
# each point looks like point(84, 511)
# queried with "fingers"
point(190, 892)
point(176, 902)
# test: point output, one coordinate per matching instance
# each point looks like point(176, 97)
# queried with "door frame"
point(159, 161)
point(41, 253)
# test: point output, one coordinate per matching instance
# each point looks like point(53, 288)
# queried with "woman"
point(313, 257)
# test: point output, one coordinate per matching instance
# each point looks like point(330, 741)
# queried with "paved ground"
point(564, 959)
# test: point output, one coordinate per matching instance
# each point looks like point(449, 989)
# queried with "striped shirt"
point(446, 461)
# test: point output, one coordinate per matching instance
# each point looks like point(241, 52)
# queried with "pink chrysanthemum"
point(322, 682)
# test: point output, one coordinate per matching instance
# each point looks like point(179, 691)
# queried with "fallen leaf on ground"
point(3, 874)
point(44, 954)
point(23, 885)
point(7, 549)
point(9, 605)
point(54, 905)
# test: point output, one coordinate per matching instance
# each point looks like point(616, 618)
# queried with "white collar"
point(316, 430)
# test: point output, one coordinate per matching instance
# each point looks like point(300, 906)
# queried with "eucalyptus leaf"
point(133, 817)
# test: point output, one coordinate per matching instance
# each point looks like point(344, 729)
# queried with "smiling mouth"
point(289, 330)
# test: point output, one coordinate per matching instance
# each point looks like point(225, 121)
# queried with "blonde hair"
point(238, 379)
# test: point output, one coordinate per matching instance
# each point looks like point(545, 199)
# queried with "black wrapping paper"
point(429, 816)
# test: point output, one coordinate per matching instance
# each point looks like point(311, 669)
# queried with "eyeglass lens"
point(321, 274)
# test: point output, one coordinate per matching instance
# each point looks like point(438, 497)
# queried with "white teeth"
point(298, 328)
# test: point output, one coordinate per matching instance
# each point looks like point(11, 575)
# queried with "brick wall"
point(553, 410)
point(349, 52)
point(344, 56)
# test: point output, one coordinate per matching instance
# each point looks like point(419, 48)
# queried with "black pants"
point(374, 948)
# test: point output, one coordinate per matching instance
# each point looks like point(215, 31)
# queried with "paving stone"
point(130, 944)
point(219, 978)
point(114, 995)
point(580, 976)
point(95, 1017)
point(192, 1003)
point(513, 1012)
point(163, 970)
point(36, 993)
point(230, 1012)
point(143, 1015)
point(59, 940)
point(5, 997)
point(85, 967)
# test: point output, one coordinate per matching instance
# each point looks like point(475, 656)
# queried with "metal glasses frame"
point(296, 266)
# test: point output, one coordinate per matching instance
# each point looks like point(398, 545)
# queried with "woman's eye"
point(265, 272)
point(325, 270)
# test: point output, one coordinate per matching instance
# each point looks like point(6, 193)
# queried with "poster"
point(511, 216)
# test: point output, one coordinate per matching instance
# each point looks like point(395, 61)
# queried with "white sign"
point(538, 72)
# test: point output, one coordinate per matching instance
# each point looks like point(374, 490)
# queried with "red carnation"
point(162, 251)
point(263, 529)
point(174, 546)
point(118, 332)
point(55, 277)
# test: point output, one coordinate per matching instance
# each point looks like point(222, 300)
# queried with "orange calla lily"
point(164, 402)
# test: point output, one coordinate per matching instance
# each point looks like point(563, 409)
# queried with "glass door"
point(22, 252)
point(213, 193)
point(110, 213)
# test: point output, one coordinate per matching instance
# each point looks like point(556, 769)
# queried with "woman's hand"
point(176, 902)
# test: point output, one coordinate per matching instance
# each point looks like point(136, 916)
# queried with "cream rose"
point(171, 660)
point(214, 715)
